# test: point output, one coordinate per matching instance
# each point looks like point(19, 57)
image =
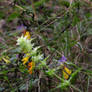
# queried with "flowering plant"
point(26, 46)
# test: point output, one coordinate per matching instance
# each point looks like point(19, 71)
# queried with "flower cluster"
point(66, 71)
point(26, 46)
point(62, 60)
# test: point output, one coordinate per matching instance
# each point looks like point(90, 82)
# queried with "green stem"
point(76, 88)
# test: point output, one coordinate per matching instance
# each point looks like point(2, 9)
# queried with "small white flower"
point(35, 50)
point(25, 44)
point(27, 47)
point(37, 58)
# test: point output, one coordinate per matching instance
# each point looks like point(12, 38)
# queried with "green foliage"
point(75, 20)
point(74, 75)
point(1, 14)
point(13, 16)
point(61, 28)
point(39, 3)
point(50, 72)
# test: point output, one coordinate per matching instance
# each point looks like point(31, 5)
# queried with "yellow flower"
point(30, 64)
point(27, 34)
point(25, 60)
point(66, 72)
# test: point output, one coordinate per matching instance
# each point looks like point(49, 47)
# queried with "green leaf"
point(23, 69)
point(39, 3)
point(50, 72)
point(6, 78)
point(74, 75)
point(63, 86)
point(4, 72)
point(75, 20)
point(1, 15)
point(88, 15)
point(65, 3)
point(88, 71)
point(13, 16)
